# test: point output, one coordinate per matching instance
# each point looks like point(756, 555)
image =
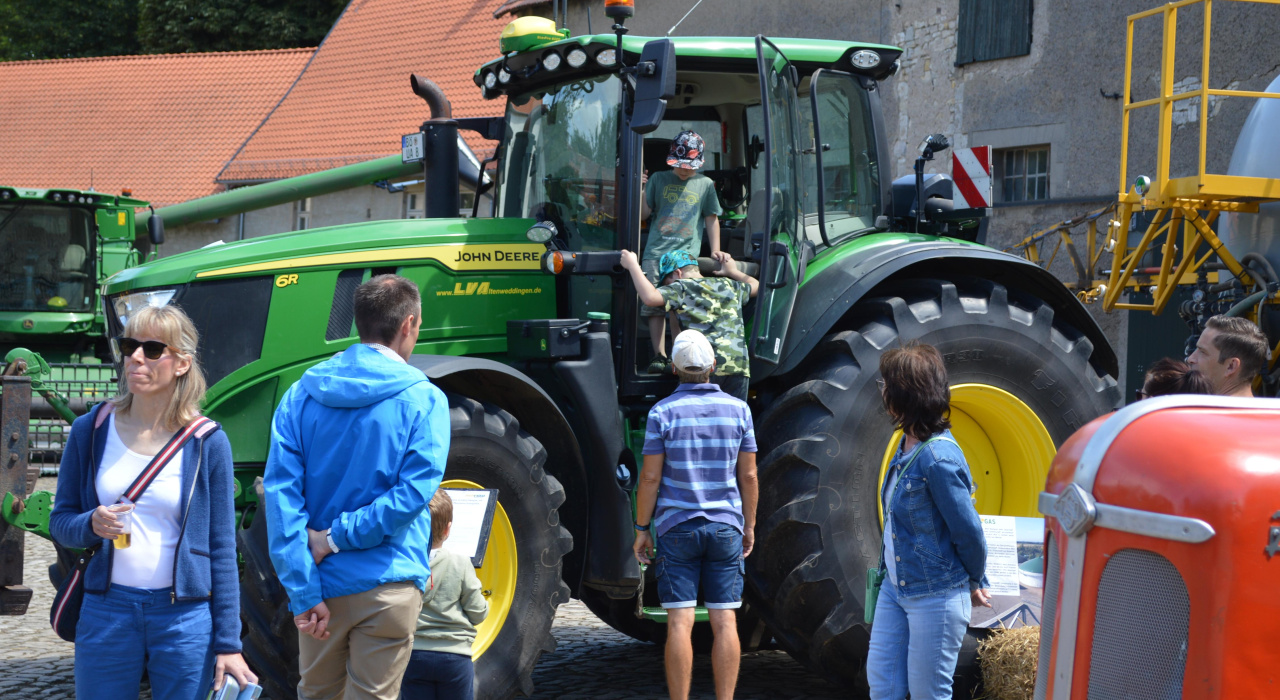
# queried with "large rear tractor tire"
point(520, 574)
point(1022, 382)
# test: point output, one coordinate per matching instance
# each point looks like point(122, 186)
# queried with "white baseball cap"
point(691, 352)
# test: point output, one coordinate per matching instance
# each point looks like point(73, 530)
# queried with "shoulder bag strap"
point(907, 466)
point(140, 484)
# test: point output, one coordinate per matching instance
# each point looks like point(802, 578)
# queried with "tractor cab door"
point(780, 254)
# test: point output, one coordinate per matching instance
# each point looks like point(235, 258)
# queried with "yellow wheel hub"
point(1006, 444)
point(497, 576)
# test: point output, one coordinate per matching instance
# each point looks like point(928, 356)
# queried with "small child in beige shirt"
point(440, 665)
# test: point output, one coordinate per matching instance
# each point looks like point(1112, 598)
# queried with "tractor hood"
point(380, 242)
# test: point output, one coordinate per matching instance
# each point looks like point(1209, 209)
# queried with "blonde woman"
point(165, 598)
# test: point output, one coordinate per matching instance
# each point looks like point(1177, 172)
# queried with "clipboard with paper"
point(473, 511)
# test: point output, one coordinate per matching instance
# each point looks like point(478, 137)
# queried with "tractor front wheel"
point(1021, 383)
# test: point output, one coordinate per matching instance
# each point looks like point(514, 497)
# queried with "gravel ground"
point(591, 660)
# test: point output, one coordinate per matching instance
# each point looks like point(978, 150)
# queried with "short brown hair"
point(441, 507)
point(382, 304)
point(916, 391)
point(1240, 338)
point(694, 377)
point(1169, 376)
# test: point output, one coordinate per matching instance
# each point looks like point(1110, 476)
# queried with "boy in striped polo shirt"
point(700, 474)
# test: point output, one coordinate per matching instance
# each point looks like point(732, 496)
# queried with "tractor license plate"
point(411, 148)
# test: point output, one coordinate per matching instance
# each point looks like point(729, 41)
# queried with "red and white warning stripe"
point(971, 172)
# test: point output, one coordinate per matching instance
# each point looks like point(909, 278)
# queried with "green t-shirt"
point(679, 209)
point(713, 307)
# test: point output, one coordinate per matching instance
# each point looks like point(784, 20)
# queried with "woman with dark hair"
point(1169, 376)
point(934, 553)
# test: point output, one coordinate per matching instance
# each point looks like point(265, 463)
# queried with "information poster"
point(472, 520)
point(1015, 567)
point(1002, 554)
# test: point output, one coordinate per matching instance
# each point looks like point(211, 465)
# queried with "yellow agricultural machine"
point(1216, 233)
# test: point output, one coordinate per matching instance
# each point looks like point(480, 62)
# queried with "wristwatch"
point(328, 537)
point(641, 528)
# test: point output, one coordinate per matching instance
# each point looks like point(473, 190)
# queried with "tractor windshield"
point(559, 160)
point(45, 262)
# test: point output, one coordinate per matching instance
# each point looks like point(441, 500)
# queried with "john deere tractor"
point(532, 329)
point(57, 246)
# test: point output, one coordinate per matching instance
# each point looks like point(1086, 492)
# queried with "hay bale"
point(1008, 659)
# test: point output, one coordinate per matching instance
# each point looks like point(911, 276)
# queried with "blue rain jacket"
point(358, 446)
point(938, 535)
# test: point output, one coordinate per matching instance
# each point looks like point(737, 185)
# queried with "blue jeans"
point(126, 629)
point(438, 675)
point(699, 550)
point(915, 643)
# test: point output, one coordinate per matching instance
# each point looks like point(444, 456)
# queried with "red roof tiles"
point(161, 125)
point(353, 101)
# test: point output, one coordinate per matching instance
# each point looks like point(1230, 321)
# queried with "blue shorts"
point(700, 551)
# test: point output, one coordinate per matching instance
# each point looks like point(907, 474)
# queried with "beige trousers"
point(370, 639)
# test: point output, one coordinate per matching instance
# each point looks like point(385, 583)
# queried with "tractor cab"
point(793, 145)
point(56, 247)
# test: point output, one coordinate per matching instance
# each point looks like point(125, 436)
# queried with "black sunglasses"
point(151, 349)
point(1139, 394)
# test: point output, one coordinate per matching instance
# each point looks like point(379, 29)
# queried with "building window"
point(991, 29)
point(412, 205)
point(1023, 174)
point(302, 214)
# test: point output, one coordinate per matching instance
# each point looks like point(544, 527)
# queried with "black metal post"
point(440, 166)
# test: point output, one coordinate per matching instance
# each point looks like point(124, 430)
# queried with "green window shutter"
point(991, 29)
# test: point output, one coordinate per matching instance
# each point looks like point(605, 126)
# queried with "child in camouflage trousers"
point(712, 306)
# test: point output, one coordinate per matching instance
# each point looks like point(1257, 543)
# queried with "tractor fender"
point(827, 297)
point(513, 391)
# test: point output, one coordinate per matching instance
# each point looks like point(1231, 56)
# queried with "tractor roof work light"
point(576, 58)
point(607, 58)
point(620, 9)
point(865, 59)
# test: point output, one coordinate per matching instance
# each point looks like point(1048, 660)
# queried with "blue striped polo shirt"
point(700, 430)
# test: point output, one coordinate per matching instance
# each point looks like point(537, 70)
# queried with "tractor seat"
point(708, 265)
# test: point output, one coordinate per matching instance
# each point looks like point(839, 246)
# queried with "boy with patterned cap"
point(698, 493)
point(683, 204)
point(710, 305)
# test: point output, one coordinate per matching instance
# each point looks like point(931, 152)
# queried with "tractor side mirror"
point(155, 229)
point(655, 84)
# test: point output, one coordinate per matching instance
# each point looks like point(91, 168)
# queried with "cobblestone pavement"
point(591, 660)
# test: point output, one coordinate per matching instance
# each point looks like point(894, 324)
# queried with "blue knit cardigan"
point(205, 560)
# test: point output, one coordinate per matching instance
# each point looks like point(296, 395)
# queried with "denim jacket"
point(937, 534)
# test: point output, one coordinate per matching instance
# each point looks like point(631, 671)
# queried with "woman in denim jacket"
point(934, 554)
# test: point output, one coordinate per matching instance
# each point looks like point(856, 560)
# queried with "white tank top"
point(157, 520)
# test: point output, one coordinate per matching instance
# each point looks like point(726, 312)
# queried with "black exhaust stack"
point(440, 151)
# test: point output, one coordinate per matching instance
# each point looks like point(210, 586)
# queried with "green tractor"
point(57, 247)
point(532, 330)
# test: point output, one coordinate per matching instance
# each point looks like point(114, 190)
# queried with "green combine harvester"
point(533, 331)
point(59, 246)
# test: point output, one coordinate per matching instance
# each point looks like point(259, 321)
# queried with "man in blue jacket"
point(358, 447)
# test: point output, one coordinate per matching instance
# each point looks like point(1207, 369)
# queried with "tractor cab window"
point(559, 160)
point(45, 258)
point(842, 150)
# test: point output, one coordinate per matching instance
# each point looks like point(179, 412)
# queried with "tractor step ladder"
point(659, 615)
